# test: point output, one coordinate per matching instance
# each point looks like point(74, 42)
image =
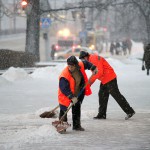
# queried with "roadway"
point(17, 42)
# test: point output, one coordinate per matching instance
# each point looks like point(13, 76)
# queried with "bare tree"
point(127, 18)
point(33, 28)
point(144, 7)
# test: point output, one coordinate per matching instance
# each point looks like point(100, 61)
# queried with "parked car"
point(72, 51)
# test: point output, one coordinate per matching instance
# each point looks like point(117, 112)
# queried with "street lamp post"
point(83, 25)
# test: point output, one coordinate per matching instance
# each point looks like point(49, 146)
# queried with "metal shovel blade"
point(61, 126)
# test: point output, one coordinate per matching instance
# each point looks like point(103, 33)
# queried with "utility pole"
point(46, 6)
point(14, 17)
point(83, 25)
point(0, 13)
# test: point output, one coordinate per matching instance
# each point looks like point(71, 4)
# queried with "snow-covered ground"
point(24, 96)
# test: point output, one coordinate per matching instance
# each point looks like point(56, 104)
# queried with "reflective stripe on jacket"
point(64, 100)
point(105, 71)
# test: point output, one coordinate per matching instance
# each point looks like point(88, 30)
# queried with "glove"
point(74, 100)
point(95, 71)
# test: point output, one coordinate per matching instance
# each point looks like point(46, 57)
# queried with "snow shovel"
point(62, 126)
point(49, 114)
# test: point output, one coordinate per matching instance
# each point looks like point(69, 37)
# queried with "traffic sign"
point(88, 25)
point(46, 22)
point(82, 34)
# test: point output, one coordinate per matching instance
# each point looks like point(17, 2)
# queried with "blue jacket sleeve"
point(65, 88)
point(88, 65)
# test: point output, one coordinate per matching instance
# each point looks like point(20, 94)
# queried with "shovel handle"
point(61, 119)
point(55, 108)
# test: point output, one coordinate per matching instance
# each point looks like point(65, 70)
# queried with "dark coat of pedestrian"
point(53, 50)
point(129, 45)
point(146, 58)
point(124, 47)
point(112, 48)
point(118, 48)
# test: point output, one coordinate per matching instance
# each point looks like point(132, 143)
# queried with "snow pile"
point(48, 73)
point(13, 74)
point(3, 81)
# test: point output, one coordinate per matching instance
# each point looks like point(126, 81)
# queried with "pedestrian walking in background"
point(112, 48)
point(124, 47)
point(108, 85)
point(129, 45)
point(53, 50)
point(146, 58)
point(118, 48)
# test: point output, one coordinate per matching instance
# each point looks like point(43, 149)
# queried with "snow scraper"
point(49, 114)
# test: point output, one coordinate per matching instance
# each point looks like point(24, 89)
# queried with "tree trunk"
point(148, 29)
point(33, 29)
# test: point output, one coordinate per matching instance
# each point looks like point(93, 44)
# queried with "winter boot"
point(76, 115)
point(130, 114)
point(100, 116)
point(77, 124)
point(78, 128)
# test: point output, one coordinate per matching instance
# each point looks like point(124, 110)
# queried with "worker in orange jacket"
point(108, 85)
point(71, 82)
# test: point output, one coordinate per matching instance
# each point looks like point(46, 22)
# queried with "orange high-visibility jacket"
point(64, 100)
point(105, 71)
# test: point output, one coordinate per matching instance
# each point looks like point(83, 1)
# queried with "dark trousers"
point(112, 88)
point(76, 112)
